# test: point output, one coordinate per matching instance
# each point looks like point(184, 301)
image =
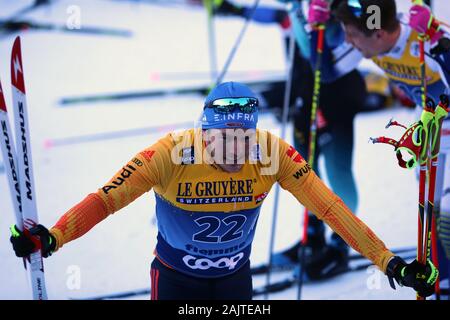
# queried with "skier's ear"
point(382, 34)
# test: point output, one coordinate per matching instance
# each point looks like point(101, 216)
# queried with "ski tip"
point(17, 66)
point(2, 99)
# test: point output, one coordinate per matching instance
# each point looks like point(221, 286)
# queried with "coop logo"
point(205, 264)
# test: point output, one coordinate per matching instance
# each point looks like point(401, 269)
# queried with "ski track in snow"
point(115, 256)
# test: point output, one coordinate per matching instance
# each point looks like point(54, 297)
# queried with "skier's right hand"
point(25, 243)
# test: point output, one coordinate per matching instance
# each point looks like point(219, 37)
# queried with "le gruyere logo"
point(213, 192)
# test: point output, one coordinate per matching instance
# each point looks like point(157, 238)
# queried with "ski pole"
point(232, 52)
point(435, 136)
point(426, 118)
point(312, 145)
point(236, 44)
point(286, 103)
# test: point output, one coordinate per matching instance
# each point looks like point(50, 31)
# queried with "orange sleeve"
point(149, 168)
point(79, 219)
point(296, 176)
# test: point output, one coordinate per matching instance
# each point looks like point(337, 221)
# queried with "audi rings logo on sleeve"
point(205, 264)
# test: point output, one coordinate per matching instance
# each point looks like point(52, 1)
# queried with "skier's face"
point(230, 147)
point(369, 46)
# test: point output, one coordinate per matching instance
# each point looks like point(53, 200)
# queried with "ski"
point(261, 269)
point(200, 89)
point(35, 5)
point(126, 133)
point(118, 134)
point(245, 75)
point(290, 282)
point(274, 287)
point(8, 152)
point(7, 27)
point(25, 167)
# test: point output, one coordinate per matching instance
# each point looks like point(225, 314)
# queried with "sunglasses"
point(355, 7)
point(228, 105)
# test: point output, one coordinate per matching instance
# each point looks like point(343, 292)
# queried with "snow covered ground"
point(167, 39)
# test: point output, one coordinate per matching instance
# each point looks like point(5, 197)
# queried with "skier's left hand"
point(415, 275)
point(422, 20)
point(319, 12)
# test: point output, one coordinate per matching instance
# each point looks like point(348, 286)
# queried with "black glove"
point(24, 244)
point(227, 8)
point(415, 275)
point(442, 47)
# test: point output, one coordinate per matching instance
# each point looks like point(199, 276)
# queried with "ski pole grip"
point(430, 104)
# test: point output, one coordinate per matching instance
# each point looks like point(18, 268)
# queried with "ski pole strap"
point(385, 140)
point(434, 273)
point(410, 143)
point(411, 163)
point(427, 118)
